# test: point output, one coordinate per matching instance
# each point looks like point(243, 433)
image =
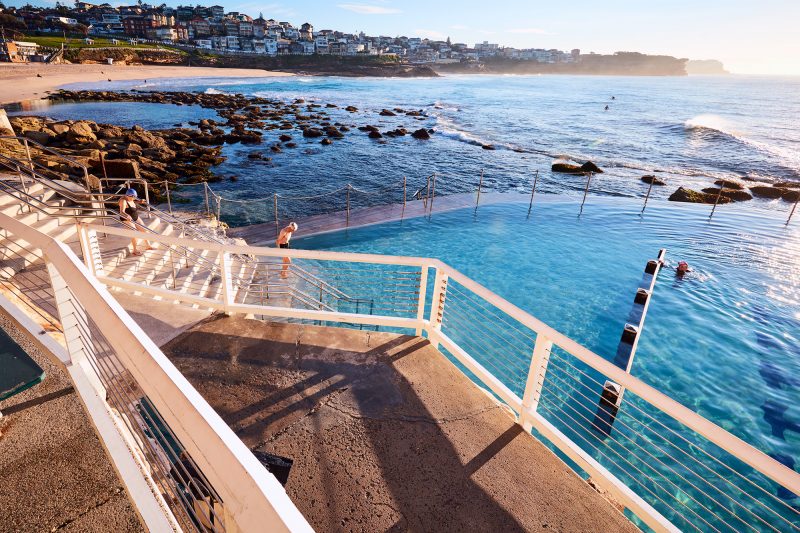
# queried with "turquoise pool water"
point(722, 341)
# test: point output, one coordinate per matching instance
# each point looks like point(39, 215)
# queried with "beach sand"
point(19, 82)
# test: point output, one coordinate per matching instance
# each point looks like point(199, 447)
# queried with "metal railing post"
point(169, 200)
point(427, 192)
point(533, 191)
point(480, 185)
point(647, 196)
point(347, 223)
point(30, 159)
point(275, 208)
point(423, 293)
point(403, 212)
point(437, 307)
point(536, 374)
point(225, 266)
point(208, 207)
point(74, 323)
point(433, 192)
point(147, 200)
point(90, 249)
point(585, 192)
point(716, 200)
point(793, 208)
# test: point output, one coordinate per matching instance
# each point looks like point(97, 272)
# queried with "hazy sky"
point(749, 36)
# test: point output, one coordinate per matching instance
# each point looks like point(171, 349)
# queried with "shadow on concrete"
point(361, 437)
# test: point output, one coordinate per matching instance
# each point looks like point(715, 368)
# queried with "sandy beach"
point(20, 82)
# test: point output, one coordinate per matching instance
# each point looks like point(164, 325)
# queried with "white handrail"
point(253, 498)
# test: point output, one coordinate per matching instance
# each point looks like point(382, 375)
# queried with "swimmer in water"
point(606, 108)
point(683, 269)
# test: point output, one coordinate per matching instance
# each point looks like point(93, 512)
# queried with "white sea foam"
point(211, 90)
point(726, 128)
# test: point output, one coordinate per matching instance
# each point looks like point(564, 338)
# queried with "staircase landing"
point(385, 434)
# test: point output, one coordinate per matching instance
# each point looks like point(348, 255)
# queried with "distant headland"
point(705, 67)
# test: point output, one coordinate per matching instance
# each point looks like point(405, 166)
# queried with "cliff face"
point(619, 64)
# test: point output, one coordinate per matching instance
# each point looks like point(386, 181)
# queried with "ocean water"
point(689, 130)
point(723, 341)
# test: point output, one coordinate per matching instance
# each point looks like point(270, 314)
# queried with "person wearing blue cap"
point(129, 215)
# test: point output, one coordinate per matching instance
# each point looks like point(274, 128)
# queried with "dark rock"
point(276, 149)
point(790, 195)
point(119, 168)
point(765, 191)
point(255, 155)
point(729, 184)
point(566, 168)
point(331, 105)
point(414, 114)
point(488, 147)
point(375, 135)
point(351, 108)
point(234, 178)
point(696, 197)
point(653, 179)
point(326, 141)
point(290, 145)
point(733, 194)
point(591, 167)
point(421, 134)
point(387, 113)
point(284, 137)
point(41, 137)
point(787, 184)
point(312, 132)
point(332, 131)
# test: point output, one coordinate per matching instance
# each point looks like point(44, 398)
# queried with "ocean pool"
point(723, 340)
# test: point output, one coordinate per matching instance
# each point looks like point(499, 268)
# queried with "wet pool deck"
point(264, 234)
point(385, 433)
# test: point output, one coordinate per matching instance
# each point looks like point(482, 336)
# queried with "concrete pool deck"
point(384, 432)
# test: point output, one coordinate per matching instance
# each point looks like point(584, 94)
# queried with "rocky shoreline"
point(186, 155)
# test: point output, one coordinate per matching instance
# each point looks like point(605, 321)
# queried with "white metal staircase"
point(35, 195)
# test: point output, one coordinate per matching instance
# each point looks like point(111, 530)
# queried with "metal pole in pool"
point(348, 206)
point(433, 191)
point(585, 192)
point(793, 208)
point(650, 188)
point(716, 201)
point(533, 191)
point(427, 192)
point(480, 185)
point(403, 212)
point(275, 209)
